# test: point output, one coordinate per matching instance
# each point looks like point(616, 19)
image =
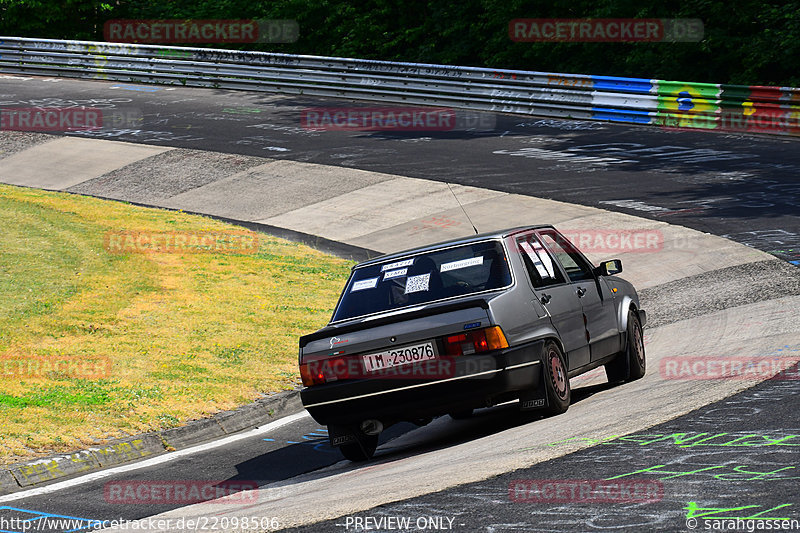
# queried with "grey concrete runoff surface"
point(708, 297)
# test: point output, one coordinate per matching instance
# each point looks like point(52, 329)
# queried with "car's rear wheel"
point(556, 380)
point(630, 364)
point(362, 450)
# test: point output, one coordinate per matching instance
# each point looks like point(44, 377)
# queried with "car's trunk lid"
point(392, 330)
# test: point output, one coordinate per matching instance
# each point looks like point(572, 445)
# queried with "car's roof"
point(453, 242)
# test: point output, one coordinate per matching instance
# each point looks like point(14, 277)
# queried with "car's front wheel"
point(630, 364)
point(556, 380)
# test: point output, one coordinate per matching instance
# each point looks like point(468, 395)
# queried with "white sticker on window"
point(418, 283)
point(540, 268)
point(398, 264)
point(395, 274)
point(463, 263)
point(370, 283)
point(545, 257)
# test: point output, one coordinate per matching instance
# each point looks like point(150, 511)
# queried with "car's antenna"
point(462, 208)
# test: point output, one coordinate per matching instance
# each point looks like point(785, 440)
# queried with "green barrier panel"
point(687, 105)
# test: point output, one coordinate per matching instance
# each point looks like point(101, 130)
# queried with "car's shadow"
point(312, 456)
point(484, 422)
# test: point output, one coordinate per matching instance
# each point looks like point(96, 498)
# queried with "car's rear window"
point(418, 279)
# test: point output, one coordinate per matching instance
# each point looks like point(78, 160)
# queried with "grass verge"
point(172, 336)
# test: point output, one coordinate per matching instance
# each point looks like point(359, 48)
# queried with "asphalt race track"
point(732, 459)
point(742, 187)
point(289, 451)
point(680, 462)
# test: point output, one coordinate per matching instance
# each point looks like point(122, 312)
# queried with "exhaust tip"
point(371, 427)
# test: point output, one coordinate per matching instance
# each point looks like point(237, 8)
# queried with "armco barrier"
point(632, 100)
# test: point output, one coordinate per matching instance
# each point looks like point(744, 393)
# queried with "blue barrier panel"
point(625, 85)
point(622, 115)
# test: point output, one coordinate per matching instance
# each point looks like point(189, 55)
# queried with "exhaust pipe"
point(371, 427)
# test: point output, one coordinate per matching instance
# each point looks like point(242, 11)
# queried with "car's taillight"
point(318, 372)
point(477, 341)
point(311, 376)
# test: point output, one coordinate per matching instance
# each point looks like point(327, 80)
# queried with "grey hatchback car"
point(464, 324)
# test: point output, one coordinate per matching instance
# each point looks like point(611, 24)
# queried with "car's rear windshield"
point(422, 278)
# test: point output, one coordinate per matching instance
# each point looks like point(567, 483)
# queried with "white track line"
point(155, 460)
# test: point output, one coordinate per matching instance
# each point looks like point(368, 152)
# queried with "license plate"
point(404, 355)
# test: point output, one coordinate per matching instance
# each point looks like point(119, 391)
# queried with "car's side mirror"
point(609, 268)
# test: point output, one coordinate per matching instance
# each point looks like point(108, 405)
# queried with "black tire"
point(362, 450)
point(630, 364)
point(556, 381)
point(461, 415)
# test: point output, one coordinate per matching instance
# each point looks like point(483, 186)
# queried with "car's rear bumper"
point(476, 381)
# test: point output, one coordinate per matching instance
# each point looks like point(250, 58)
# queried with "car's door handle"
point(580, 292)
point(545, 299)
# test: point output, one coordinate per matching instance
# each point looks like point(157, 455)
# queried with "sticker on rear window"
point(418, 283)
point(364, 284)
point(395, 274)
point(398, 264)
point(464, 263)
point(536, 260)
point(546, 261)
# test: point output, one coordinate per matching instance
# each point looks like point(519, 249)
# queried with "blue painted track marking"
point(317, 438)
point(38, 515)
point(141, 88)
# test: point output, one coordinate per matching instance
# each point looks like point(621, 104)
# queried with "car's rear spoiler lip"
point(428, 310)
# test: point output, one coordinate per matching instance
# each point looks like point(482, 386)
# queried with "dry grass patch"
point(186, 334)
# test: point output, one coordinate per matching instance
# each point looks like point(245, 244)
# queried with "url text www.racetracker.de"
point(201, 523)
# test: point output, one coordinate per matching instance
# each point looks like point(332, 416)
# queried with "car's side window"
point(542, 271)
point(574, 264)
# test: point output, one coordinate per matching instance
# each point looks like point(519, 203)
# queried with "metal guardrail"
point(632, 100)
